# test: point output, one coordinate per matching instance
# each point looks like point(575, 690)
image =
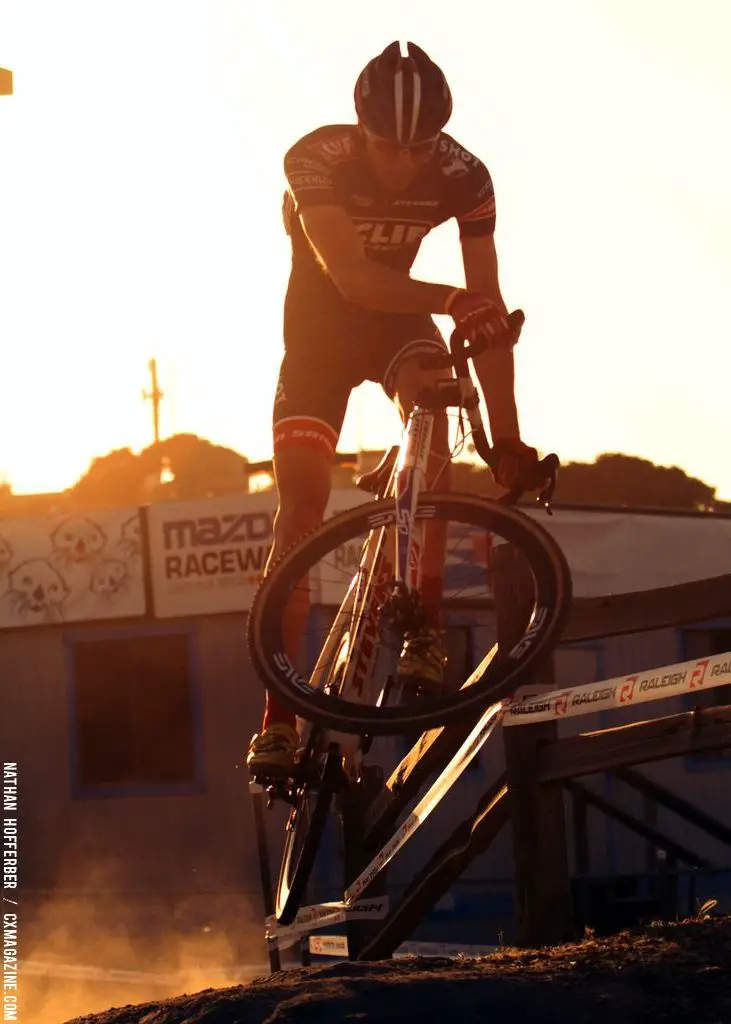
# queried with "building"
point(128, 698)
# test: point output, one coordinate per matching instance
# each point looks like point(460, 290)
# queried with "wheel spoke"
point(358, 648)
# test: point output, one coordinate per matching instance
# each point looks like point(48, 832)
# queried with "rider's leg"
point(303, 477)
point(312, 396)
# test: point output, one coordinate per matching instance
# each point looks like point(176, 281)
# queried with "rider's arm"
point(495, 367)
point(339, 247)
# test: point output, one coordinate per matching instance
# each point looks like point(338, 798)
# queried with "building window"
point(133, 711)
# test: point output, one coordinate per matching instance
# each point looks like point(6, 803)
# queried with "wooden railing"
point(539, 767)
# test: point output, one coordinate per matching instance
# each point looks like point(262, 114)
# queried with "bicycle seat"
point(376, 478)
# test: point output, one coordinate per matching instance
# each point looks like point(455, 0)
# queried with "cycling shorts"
point(325, 358)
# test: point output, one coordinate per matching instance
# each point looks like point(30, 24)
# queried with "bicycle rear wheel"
point(304, 830)
point(330, 555)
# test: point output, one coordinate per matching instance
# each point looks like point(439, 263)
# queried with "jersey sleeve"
point(476, 216)
point(309, 179)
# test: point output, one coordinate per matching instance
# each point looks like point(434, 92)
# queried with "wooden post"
point(543, 909)
point(581, 833)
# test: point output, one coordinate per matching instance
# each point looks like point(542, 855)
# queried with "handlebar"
point(460, 352)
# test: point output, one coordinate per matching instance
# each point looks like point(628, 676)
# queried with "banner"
point(653, 684)
point(71, 568)
point(466, 567)
point(615, 552)
point(208, 556)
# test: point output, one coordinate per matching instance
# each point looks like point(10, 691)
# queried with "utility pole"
point(155, 396)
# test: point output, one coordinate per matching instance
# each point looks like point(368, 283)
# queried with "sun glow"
point(140, 193)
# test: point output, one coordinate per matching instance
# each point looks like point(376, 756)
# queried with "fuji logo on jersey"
point(385, 233)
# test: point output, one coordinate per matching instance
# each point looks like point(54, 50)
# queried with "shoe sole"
point(270, 771)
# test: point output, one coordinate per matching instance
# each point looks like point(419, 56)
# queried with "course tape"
point(322, 915)
point(624, 691)
point(337, 945)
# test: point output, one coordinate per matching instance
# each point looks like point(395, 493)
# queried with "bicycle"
point(348, 698)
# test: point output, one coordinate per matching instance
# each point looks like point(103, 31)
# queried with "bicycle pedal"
point(271, 783)
point(413, 690)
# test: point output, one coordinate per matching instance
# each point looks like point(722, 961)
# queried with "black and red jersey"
point(328, 166)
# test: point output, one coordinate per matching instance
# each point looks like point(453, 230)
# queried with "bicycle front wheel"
point(475, 527)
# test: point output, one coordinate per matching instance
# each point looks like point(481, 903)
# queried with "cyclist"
point(359, 200)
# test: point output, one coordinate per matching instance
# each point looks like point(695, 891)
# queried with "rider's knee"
point(297, 516)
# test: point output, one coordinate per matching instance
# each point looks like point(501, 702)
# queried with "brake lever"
point(551, 464)
point(546, 493)
point(545, 496)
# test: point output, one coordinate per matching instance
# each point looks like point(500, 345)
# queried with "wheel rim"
point(552, 599)
point(305, 828)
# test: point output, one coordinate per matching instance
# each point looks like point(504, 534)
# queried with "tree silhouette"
point(615, 479)
point(612, 480)
point(199, 469)
point(202, 470)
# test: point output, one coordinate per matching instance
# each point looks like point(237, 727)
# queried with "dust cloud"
point(84, 951)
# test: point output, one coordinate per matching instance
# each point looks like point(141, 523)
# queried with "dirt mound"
point(660, 973)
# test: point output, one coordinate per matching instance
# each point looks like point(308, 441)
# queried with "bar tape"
point(624, 691)
point(322, 915)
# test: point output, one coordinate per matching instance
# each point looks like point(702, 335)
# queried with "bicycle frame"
point(353, 665)
point(382, 594)
point(406, 485)
point(358, 615)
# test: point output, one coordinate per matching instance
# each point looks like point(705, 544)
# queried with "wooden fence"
point(540, 767)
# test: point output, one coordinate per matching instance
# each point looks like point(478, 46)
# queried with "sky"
point(140, 196)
